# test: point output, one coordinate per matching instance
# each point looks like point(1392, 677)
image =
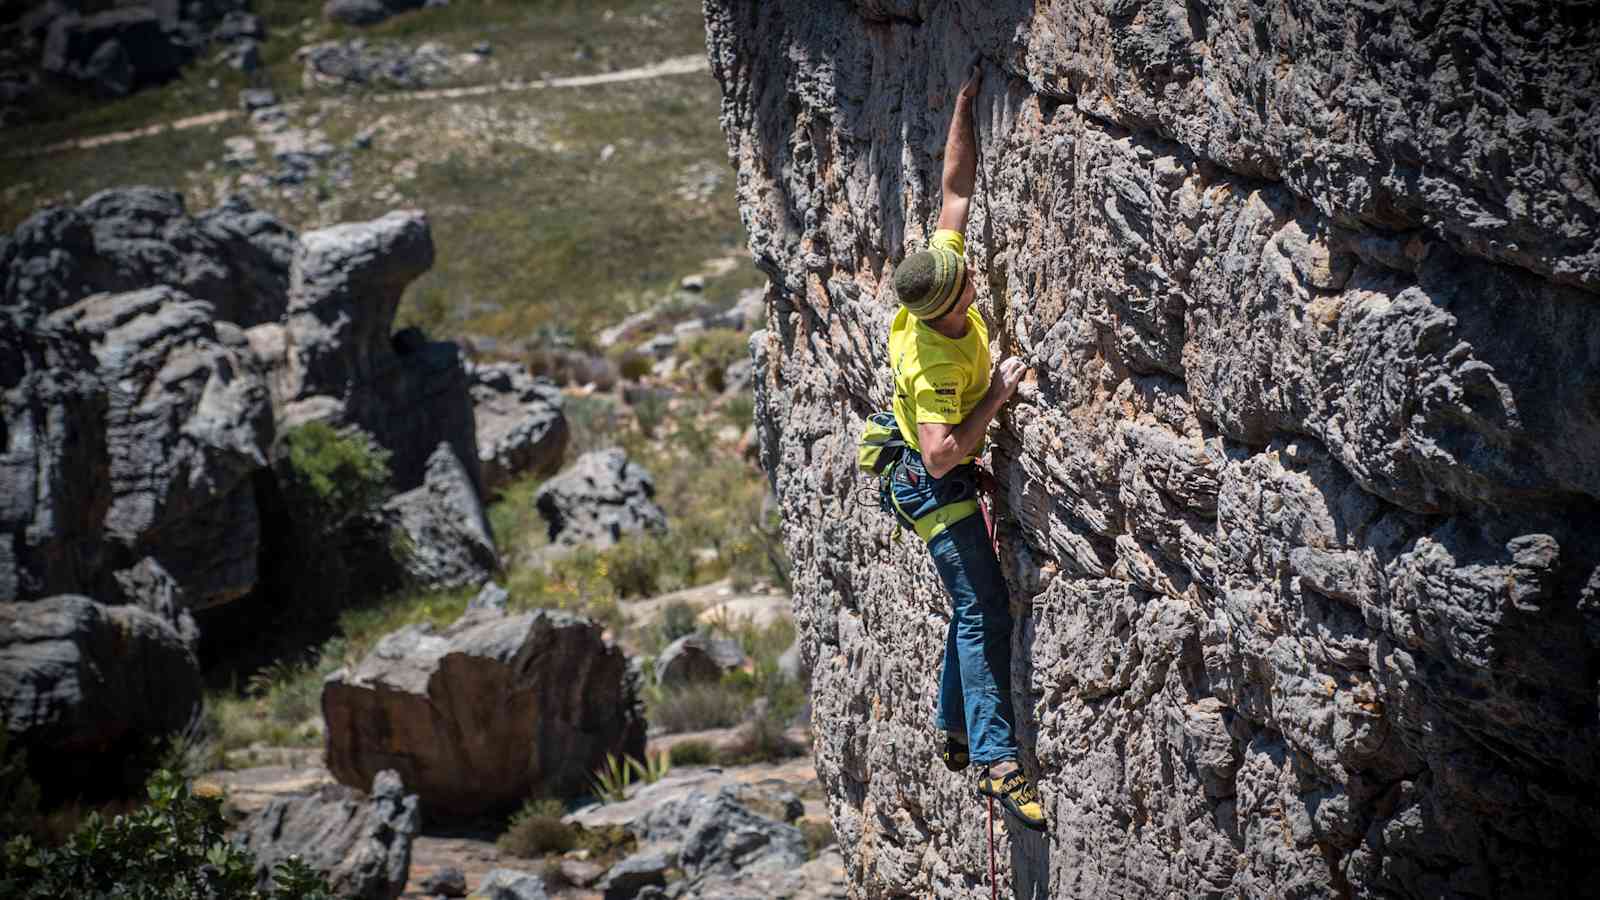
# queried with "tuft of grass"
point(762, 740)
point(711, 352)
point(697, 707)
point(693, 753)
point(537, 830)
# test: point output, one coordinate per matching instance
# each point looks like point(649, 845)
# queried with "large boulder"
point(78, 47)
point(521, 427)
point(360, 842)
point(137, 420)
point(725, 849)
point(232, 257)
point(697, 658)
point(446, 539)
point(598, 499)
point(485, 713)
point(84, 686)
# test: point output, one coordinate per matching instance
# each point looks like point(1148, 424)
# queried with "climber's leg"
point(981, 625)
point(952, 714)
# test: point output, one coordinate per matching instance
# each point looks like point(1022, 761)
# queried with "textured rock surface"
point(510, 884)
point(598, 499)
point(78, 679)
point(447, 540)
point(695, 657)
point(521, 427)
point(488, 712)
point(361, 842)
point(1298, 501)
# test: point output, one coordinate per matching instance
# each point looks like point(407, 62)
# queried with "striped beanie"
point(929, 282)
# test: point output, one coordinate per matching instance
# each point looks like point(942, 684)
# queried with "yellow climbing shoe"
point(1018, 795)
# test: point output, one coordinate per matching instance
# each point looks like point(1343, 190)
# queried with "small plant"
point(678, 619)
point(650, 409)
point(632, 365)
point(654, 768)
point(537, 830)
point(693, 753)
point(762, 740)
point(612, 780)
point(697, 707)
point(711, 352)
point(339, 475)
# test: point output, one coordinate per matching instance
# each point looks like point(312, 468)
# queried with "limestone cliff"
point(1300, 501)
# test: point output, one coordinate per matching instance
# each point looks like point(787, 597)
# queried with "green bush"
point(697, 707)
point(693, 753)
point(818, 835)
point(678, 619)
point(634, 566)
point(537, 830)
point(340, 475)
point(762, 741)
point(711, 352)
point(175, 848)
point(632, 365)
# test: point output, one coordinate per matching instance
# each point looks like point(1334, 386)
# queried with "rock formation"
point(598, 499)
point(360, 842)
point(697, 658)
point(521, 427)
point(1297, 503)
point(488, 712)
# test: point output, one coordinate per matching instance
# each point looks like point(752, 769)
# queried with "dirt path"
point(681, 65)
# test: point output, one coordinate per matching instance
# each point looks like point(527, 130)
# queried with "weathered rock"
point(115, 50)
point(359, 63)
point(509, 884)
point(625, 879)
point(487, 712)
point(446, 538)
point(233, 257)
point(238, 25)
point(697, 658)
point(598, 499)
point(366, 12)
point(136, 420)
point(84, 685)
point(360, 842)
point(521, 427)
point(491, 597)
point(1295, 503)
point(727, 850)
point(447, 882)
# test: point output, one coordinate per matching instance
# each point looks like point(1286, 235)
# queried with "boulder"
point(446, 882)
point(509, 884)
point(598, 499)
point(145, 51)
point(697, 658)
point(137, 421)
point(521, 427)
point(366, 12)
point(360, 842)
point(238, 25)
point(725, 848)
point(83, 686)
point(444, 534)
point(490, 597)
point(485, 713)
point(232, 257)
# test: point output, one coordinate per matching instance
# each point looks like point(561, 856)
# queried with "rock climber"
point(944, 398)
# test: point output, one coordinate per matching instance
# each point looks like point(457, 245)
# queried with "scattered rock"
point(697, 658)
point(509, 884)
point(447, 882)
point(360, 842)
point(490, 597)
point(581, 873)
point(487, 712)
point(253, 99)
point(238, 25)
point(724, 845)
point(443, 528)
point(358, 63)
point(83, 685)
point(244, 55)
point(627, 878)
point(114, 50)
point(483, 48)
point(600, 498)
point(521, 427)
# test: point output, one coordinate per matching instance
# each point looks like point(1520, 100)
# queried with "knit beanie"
point(929, 282)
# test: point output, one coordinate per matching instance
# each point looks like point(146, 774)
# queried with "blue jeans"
point(974, 682)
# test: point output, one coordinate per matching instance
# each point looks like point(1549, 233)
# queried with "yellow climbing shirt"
point(936, 378)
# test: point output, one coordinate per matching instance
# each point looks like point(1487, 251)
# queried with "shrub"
point(174, 847)
point(761, 741)
point(632, 365)
point(693, 753)
point(712, 351)
point(537, 830)
point(818, 835)
point(696, 707)
point(650, 408)
point(633, 567)
point(340, 475)
point(678, 619)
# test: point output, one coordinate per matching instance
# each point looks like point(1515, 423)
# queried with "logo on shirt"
point(945, 391)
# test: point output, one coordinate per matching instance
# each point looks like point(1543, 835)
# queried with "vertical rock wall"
point(1300, 499)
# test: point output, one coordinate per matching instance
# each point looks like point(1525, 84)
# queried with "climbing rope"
point(994, 886)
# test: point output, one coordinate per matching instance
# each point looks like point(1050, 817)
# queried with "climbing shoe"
point(1018, 795)
point(955, 754)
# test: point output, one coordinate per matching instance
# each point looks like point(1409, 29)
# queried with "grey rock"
point(238, 25)
point(520, 423)
point(627, 878)
point(243, 55)
point(1304, 466)
point(483, 48)
point(115, 50)
point(487, 712)
point(443, 528)
point(82, 685)
point(358, 63)
point(509, 884)
point(491, 597)
point(726, 848)
point(697, 658)
point(598, 499)
point(366, 12)
point(109, 69)
point(360, 842)
point(446, 882)
point(254, 99)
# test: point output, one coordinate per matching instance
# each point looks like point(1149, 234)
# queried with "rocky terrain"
point(1298, 499)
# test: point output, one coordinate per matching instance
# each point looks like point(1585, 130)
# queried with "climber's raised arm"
point(960, 157)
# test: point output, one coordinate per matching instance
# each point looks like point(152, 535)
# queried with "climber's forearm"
point(945, 446)
point(960, 167)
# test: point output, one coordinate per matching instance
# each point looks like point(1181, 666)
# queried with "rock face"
point(724, 849)
point(521, 427)
point(1297, 503)
point(600, 498)
point(361, 842)
point(78, 679)
point(486, 713)
point(447, 539)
